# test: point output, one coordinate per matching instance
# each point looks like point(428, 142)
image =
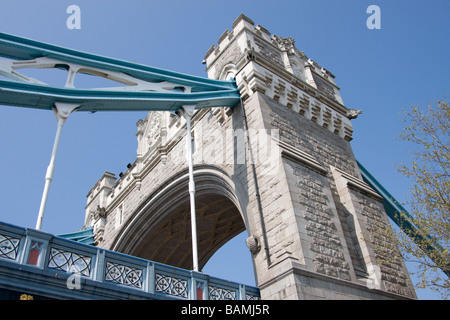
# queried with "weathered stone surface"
point(279, 165)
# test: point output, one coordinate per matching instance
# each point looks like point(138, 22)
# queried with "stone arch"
point(160, 229)
point(228, 71)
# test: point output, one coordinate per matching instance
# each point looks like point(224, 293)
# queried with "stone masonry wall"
point(392, 268)
point(313, 233)
point(311, 193)
point(319, 218)
point(330, 244)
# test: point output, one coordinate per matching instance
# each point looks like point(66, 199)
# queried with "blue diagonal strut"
point(400, 216)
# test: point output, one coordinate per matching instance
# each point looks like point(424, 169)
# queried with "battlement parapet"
point(261, 61)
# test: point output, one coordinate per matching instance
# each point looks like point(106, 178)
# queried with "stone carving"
point(284, 44)
point(154, 130)
point(100, 213)
point(149, 132)
point(253, 245)
point(353, 114)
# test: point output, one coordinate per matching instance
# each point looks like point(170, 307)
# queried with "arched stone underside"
point(160, 230)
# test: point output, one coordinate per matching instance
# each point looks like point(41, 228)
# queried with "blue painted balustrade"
point(39, 264)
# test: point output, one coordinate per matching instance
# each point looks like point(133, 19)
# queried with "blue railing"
point(38, 263)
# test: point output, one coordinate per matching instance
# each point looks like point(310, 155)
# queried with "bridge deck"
point(45, 266)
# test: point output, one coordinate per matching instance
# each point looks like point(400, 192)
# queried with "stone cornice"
point(355, 183)
point(300, 156)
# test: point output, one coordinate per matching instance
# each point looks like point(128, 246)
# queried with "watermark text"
point(374, 20)
point(74, 20)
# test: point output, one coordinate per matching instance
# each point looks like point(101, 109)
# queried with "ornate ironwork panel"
point(216, 293)
point(123, 274)
point(69, 262)
point(9, 247)
point(171, 285)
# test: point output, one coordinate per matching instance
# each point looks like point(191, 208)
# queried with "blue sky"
point(379, 71)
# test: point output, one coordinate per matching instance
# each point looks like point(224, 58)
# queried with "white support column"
point(188, 112)
point(62, 111)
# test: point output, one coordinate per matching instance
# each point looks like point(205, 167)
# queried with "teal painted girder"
point(400, 216)
point(44, 97)
point(204, 93)
point(85, 236)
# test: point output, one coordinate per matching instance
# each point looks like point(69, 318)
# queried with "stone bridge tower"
point(278, 165)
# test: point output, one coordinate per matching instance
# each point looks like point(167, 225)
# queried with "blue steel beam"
point(44, 97)
point(204, 92)
point(400, 216)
